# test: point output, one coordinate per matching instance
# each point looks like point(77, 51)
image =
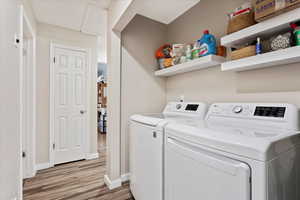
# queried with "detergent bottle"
point(207, 44)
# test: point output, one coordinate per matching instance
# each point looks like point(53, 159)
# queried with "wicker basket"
point(243, 53)
point(240, 22)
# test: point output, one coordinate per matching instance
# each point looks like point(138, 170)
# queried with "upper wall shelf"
point(197, 64)
point(265, 28)
point(280, 57)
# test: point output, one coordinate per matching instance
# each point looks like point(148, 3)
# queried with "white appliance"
point(146, 147)
point(241, 152)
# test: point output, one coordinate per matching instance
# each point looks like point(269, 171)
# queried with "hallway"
point(82, 180)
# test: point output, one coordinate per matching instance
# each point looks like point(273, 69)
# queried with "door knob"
point(82, 112)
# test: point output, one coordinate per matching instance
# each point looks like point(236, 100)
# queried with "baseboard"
point(112, 184)
point(125, 177)
point(92, 156)
point(42, 166)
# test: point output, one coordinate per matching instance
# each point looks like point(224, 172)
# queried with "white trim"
point(112, 184)
point(125, 177)
point(86, 142)
point(51, 104)
point(92, 156)
point(20, 196)
point(42, 166)
point(31, 145)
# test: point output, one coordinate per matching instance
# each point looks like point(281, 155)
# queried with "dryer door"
point(146, 161)
point(194, 173)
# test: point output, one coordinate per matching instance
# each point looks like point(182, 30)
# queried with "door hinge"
point(53, 145)
point(23, 154)
point(54, 59)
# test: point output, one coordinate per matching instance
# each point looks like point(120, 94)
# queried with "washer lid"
point(255, 143)
point(149, 119)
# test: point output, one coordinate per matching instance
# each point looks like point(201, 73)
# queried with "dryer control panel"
point(192, 109)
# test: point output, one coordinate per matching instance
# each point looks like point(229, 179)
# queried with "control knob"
point(237, 109)
point(178, 106)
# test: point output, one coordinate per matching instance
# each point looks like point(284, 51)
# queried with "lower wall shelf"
point(280, 57)
point(197, 64)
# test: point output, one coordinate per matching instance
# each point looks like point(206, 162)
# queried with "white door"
point(146, 161)
point(70, 107)
point(193, 173)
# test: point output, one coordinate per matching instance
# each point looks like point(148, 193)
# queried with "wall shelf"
point(280, 57)
point(262, 29)
point(197, 64)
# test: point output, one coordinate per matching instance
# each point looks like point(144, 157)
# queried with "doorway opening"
point(101, 95)
point(102, 107)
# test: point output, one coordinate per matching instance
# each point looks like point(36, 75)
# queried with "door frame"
point(30, 138)
point(86, 142)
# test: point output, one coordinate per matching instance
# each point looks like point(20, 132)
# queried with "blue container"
point(208, 44)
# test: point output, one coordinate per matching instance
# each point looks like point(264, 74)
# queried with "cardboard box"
point(265, 9)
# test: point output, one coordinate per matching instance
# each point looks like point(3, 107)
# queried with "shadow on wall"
point(274, 79)
point(141, 38)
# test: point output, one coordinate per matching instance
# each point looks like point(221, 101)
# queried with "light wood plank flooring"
point(82, 180)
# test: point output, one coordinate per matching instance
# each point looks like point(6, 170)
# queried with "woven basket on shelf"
point(240, 22)
point(243, 53)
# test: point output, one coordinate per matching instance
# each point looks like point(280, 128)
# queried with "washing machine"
point(146, 146)
point(242, 152)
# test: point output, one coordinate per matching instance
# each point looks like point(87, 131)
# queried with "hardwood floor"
point(82, 180)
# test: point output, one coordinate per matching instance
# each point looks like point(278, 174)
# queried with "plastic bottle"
point(296, 33)
point(188, 52)
point(258, 48)
point(207, 44)
point(196, 50)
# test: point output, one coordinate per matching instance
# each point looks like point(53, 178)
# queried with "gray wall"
point(275, 84)
point(141, 91)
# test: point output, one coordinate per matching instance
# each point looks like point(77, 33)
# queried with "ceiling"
point(88, 16)
point(164, 11)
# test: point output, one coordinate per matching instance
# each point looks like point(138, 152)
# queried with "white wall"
point(275, 84)
point(10, 138)
point(30, 14)
point(46, 34)
point(142, 92)
point(115, 11)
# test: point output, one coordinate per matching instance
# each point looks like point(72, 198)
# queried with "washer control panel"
point(250, 110)
point(277, 115)
point(263, 111)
